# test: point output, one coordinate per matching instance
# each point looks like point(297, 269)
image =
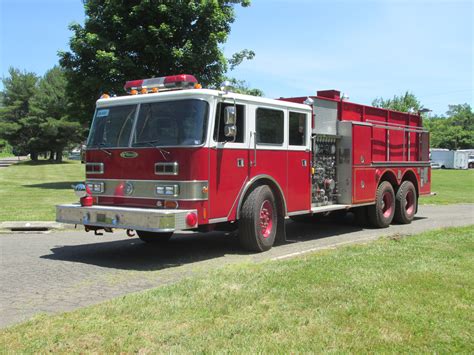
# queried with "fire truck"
point(172, 156)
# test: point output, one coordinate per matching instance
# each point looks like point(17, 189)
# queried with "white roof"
point(195, 93)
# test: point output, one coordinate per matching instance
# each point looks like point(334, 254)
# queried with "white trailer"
point(449, 159)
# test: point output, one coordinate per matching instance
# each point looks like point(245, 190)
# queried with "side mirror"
point(230, 130)
point(230, 115)
point(230, 119)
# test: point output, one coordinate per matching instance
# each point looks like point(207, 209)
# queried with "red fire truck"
point(173, 156)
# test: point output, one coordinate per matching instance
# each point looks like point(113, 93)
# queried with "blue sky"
point(364, 48)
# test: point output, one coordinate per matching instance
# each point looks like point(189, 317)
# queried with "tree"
point(124, 40)
point(453, 131)
point(403, 103)
point(49, 107)
point(16, 127)
point(33, 115)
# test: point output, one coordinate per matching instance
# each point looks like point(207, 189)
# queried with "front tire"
point(258, 220)
point(154, 237)
point(381, 214)
point(406, 203)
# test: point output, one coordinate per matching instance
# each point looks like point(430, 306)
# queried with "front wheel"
point(154, 237)
point(258, 220)
point(381, 214)
point(406, 203)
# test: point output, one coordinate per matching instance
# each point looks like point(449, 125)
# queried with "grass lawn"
point(451, 186)
point(29, 191)
point(411, 295)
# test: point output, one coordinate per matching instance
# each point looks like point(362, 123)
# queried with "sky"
point(365, 48)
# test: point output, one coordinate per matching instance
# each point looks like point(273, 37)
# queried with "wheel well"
point(410, 176)
point(391, 178)
point(277, 192)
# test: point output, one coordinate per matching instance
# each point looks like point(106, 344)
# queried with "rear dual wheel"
point(406, 203)
point(258, 220)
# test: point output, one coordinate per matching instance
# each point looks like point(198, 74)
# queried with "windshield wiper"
point(153, 143)
point(100, 145)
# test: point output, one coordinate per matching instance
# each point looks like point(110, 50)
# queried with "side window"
point(270, 126)
point(297, 131)
point(220, 124)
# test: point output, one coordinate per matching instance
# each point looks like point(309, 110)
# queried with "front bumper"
point(124, 217)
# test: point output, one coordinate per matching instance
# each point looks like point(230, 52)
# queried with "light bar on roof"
point(173, 82)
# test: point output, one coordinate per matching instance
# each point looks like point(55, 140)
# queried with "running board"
point(329, 208)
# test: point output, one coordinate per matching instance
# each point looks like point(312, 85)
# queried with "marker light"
point(104, 96)
point(143, 91)
point(173, 82)
point(133, 92)
point(191, 219)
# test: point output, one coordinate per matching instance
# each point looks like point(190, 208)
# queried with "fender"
point(249, 184)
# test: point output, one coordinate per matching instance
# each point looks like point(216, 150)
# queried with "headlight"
point(167, 190)
point(96, 187)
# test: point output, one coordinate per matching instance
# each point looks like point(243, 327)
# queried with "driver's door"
point(229, 163)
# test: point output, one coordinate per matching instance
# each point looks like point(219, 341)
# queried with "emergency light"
point(173, 82)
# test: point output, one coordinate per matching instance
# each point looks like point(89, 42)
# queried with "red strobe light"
point(173, 82)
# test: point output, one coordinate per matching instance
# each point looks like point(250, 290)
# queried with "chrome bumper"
point(124, 217)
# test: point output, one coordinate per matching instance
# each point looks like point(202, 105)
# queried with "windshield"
point(180, 122)
point(112, 126)
point(169, 123)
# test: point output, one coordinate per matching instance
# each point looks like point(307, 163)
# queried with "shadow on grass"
point(60, 185)
point(45, 162)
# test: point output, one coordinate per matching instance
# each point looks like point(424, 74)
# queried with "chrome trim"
point(218, 220)
point(393, 164)
point(174, 165)
point(297, 213)
point(147, 219)
point(100, 165)
point(249, 184)
point(146, 189)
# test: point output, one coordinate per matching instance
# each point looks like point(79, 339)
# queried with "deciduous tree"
point(124, 40)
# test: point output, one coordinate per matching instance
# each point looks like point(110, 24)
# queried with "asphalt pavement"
point(64, 270)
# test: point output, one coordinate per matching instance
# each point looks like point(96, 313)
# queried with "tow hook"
point(97, 229)
point(130, 233)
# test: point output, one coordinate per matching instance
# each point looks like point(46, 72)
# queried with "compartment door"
point(299, 162)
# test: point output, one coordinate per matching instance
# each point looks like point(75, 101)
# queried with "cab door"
point(299, 161)
point(229, 162)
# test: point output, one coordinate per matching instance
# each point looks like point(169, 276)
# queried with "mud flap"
point(280, 237)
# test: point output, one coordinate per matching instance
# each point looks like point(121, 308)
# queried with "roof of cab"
point(195, 93)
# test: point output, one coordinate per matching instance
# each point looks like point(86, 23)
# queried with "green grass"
point(410, 295)
point(29, 191)
point(451, 186)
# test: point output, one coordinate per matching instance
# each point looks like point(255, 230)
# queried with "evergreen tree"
point(16, 125)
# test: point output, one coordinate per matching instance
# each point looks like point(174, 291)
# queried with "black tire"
point(381, 214)
point(471, 165)
point(361, 216)
point(252, 235)
point(154, 237)
point(406, 203)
